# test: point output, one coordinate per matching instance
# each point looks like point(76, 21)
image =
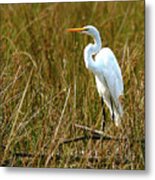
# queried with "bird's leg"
point(103, 115)
point(113, 115)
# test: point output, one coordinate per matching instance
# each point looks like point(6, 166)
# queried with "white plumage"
point(106, 70)
point(109, 81)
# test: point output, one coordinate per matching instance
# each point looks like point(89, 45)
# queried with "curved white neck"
point(90, 50)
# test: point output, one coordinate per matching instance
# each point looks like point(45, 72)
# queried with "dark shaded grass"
point(40, 64)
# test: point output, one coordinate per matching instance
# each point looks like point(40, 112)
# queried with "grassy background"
point(45, 88)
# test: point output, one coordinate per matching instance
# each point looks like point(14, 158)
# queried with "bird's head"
point(90, 30)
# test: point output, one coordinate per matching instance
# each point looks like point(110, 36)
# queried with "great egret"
point(107, 73)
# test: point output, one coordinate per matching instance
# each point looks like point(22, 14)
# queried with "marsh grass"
point(45, 88)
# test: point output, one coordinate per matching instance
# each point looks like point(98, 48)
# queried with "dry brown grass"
point(45, 88)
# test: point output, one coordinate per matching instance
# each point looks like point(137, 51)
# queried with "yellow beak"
point(75, 29)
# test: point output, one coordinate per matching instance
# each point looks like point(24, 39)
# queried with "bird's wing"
point(110, 72)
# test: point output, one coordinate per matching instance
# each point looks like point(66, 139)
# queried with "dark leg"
point(113, 115)
point(103, 115)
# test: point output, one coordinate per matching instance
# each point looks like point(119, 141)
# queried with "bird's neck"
point(90, 50)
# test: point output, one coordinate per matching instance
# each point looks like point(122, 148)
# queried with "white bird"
point(107, 73)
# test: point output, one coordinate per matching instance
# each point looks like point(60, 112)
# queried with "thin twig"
point(79, 138)
point(102, 135)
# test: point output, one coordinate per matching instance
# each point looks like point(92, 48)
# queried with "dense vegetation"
point(45, 88)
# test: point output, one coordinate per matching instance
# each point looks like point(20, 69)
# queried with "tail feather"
point(118, 115)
